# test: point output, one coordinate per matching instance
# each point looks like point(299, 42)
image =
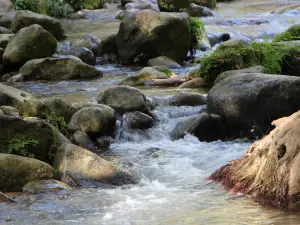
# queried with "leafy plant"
point(56, 8)
point(197, 33)
point(293, 33)
point(57, 121)
point(270, 55)
point(75, 4)
point(22, 147)
point(32, 5)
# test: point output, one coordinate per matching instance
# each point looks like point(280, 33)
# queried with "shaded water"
point(173, 187)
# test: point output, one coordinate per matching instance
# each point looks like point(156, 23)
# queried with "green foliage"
point(270, 55)
point(22, 147)
point(32, 5)
point(75, 4)
point(56, 8)
point(293, 33)
point(57, 121)
point(197, 33)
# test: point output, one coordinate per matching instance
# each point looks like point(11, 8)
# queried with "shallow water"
point(173, 188)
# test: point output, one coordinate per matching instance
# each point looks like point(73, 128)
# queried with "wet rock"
point(90, 42)
point(137, 120)
point(206, 127)
point(29, 43)
point(4, 30)
point(108, 45)
point(153, 152)
point(198, 11)
point(123, 99)
point(25, 18)
point(12, 96)
point(163, 61)
point(6, 19)
point(269, 170)
point(194, 83)
point(4, 39)
point(16, 78)
point(125, 13)
point(104, 142)
point(188, 99)
point(147, 74)
point(39, 138)
point(45, 186)
point(110, 114)
point(216, 39)
point(64, 68)
point(254, 69)
point(9, 111)
point(138, 6)
point(169, 82)
point(20, 170)
point(78, 164)
point(178, 5)
point(81, 139)
point(136, 44)
point(254, 101)
point(5, 6)
point(86, 55)
point(60, 107)
point(90, 120)
point(34, 108)
point(150, 103)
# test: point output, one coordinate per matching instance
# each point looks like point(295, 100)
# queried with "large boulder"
point(206, 127)
point(137, 120)
point(146, 75)
point(25, 18)
point(5, 6)
point(4, 30)
point(108, 45)
point(63, 68)
point(85, 54)
point(12, 96)
point(32, 42)
point(179, 5)
point(250, 102)
point(74, 164)
point(269, 170)
point(123, 99)
point(32, 137)
point(16, 171)
point(90, 120)
point(147, 34)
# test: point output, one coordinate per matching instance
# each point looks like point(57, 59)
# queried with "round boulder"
point(90, 42)
point(137, 120)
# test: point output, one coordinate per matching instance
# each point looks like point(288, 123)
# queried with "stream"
point(173, 188)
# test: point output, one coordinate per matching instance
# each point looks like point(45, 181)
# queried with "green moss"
point(293, 33)
point(92, 4)
point(197, 32)
point(270, 55)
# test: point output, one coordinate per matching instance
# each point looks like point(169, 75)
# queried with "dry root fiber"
point(270, 169)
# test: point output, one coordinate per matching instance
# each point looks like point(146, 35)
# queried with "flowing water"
point(173, 188)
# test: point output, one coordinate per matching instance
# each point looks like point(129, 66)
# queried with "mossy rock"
point(92, 4)
point(16, 171)
point(291, 34)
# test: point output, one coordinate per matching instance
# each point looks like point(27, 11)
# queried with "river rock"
point(60, 107)
point(1, 54)
point(108, 45)
point(45, 186)
point(199, 11)
point(90, 120)
point(81, 139)
point(254, 101)
point(25, 18)
point(206, 127)
point(90, 42)
point(29, 43)
point(136, 44)
point(216, 39)
point(147, 74)
point(254, 69)
point(16, 78)
point(16, 171)
point(75, 163)
point(9, 111)
point(4, 30)
point(163, 61)
point(64, 68)
point(169, 82)
point(5, 6)
point(269, 170)
point(123, 99)
point(188, 99)
point(125, 13)
point(137, 120)
point(86, 55)
point(38, 137)
point(179, 5)
point(4, 39)
point(34, 108)
point(104, 142)
point(194, 83)
point(12, 96)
